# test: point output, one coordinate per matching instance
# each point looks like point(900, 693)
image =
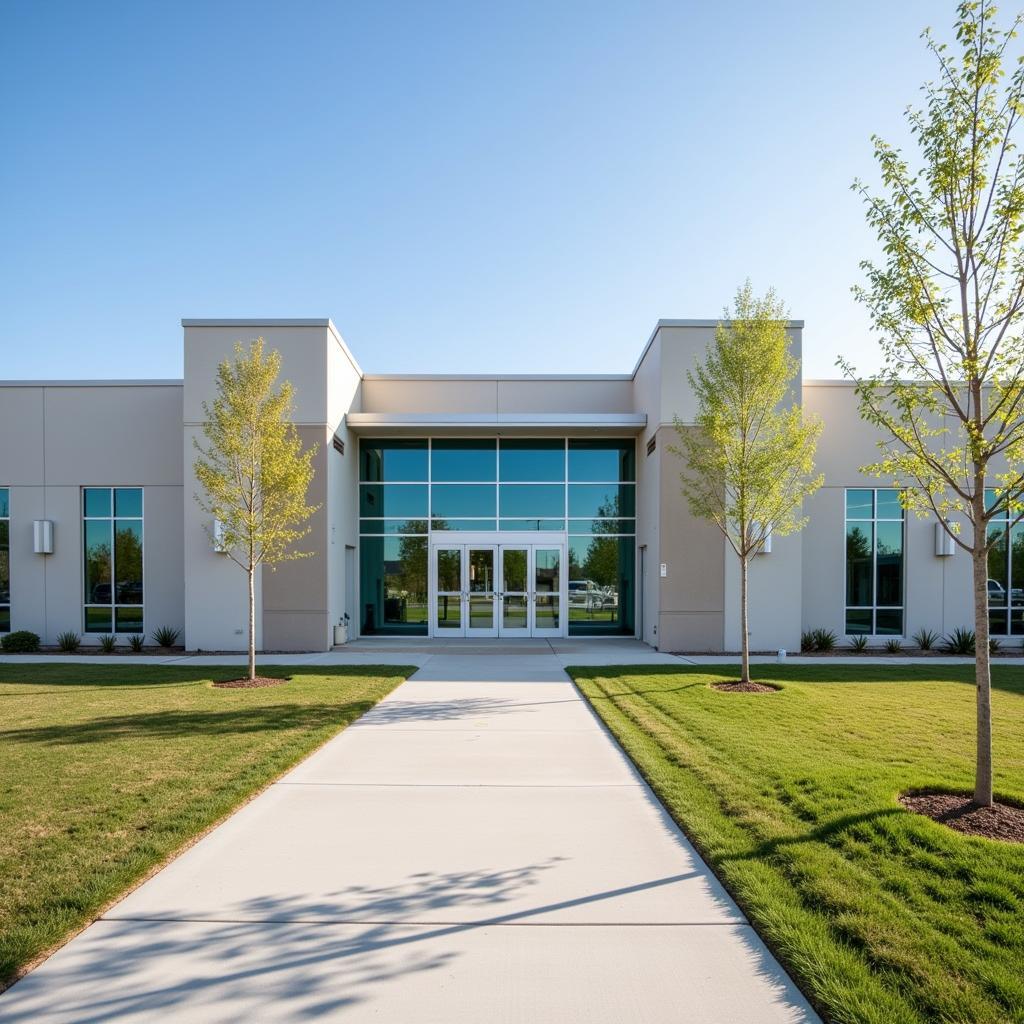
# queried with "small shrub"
point(136, 641)
point(107, 643)
point(960, 641)
point(69, 642)
point(166, 636)
point(994, 644)
point(926, 639)
point(859, 643)
point(21, 641)
point(894, 646)
point(825, 640)
point(807, 640)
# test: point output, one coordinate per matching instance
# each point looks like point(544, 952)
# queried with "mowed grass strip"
point(106, 770)
point(881, 915)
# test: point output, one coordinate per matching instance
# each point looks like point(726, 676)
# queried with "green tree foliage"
point(253, 471)
point(946, 299)
point(749, 455)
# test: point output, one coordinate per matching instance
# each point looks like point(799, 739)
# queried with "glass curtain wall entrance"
point(504, 589)
point(419, 497)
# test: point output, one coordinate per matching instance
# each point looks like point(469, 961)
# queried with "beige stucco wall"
point(57, 439)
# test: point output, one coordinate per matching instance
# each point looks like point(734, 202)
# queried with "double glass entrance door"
point(497, 589)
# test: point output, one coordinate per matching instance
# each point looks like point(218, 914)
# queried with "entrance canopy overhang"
point(502, 423)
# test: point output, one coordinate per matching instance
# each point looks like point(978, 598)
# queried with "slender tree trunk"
point(744, 628)
point(252, 621)
point(982, 673)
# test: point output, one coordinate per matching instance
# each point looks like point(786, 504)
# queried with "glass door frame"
point(492, 592)
point(498, 542)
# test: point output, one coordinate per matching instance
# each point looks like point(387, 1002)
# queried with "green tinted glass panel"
point(455, 501)
point(449, 611)
point(5, 503)
point(602, 571)
point(858, 620)
point(393, 526)
point(992, 499)
point(97, 501)
point(1017, 564)
point(888, 504)
point(889, 563)
point(602, 526)
point(531, 501)
point(397, 501)
point(513, 568)
point(532, 460)
point(889, 622)
point(128, 502)
point(393, 585)
point(602, 460)
point(545, 525)
point(390, 459)
point(997, 619)
point(455, 460)
point(998, 567)
point(98, 536)
point(472, 525)
point(859, 503)
point(128, 561)
point(5, 567)
point(602, 501)
point(128, 620)
point(449, 569)
point(859, 545)
point(99, 620)
point(5, 620)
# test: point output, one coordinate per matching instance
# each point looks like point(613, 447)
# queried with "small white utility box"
point(42, 536)
point(340, 634)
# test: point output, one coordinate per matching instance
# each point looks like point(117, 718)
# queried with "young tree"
point(253, 470)
point(946, 299)
point(750, 460)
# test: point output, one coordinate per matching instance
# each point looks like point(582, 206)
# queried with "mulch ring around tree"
point(250, 684)
point(745, 688)
point(1000, 821)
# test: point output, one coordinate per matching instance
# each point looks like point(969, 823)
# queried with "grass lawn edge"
point(405, 671)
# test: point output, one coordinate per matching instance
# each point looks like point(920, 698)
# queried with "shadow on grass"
point(1009, 678)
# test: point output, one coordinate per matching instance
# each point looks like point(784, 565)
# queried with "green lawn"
point(106, 770)
point(881, 915)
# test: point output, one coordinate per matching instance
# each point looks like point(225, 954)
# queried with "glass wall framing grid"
point(113, 557)
point(413, 490)
point(1005, 571)
point(874, 561)
point(5, 560)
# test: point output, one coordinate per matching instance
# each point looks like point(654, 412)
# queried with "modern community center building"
point(454, 505)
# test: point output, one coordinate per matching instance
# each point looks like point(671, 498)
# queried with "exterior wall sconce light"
point(42, 536)
point(217, 538)
point(945, 546)
point(766, 547)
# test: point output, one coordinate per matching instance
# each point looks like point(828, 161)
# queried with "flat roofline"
point(497, 376)
point(790, 325)
point(108, 383)
point(629, 421)
point(829, 382)
point(316, 321)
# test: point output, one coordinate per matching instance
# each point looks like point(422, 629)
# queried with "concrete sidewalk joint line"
point(477, 834)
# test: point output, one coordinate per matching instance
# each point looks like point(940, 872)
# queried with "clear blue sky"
point(460, 186)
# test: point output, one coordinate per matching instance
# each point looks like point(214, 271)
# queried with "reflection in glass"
point(393, 501)
point(128, 502)
point(859, 543)
point(393, 526)
point(97, 501)
point(463, 459)
point(454, 501)
point(5, 563)
point(128, 561)
point(889, 563)
point(99, 620)
point(128, 620)
point(534, 525)
point(481, 611)
point(5, 503)
point(547, 570)
point(858, 620)
point(602, 501)
point(998, 575)
point(887, 501)
point(514, 571)
point(471, 525)
point(393, 584)
point(602, 460)
point(481, 570)
point(392, 459)
point(532, 460)
point(449, 569)
point(513, 611)
point(545, 611)
point(532, 501)
point(601, 574)
point(860, 503)
point(97, 535)
point(449, 611)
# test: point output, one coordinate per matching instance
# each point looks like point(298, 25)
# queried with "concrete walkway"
point(476, 848)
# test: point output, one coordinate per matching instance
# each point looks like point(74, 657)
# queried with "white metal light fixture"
point(217, 538)
point(766, 547)
point(945, 546)
point(42, 536)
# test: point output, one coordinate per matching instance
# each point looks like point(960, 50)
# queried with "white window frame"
point(112, 518)
point(875, 606)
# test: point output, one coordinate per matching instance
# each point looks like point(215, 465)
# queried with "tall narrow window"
point(874, 561)
point(5, 560)
point(1005, 573)
point(112, 543)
